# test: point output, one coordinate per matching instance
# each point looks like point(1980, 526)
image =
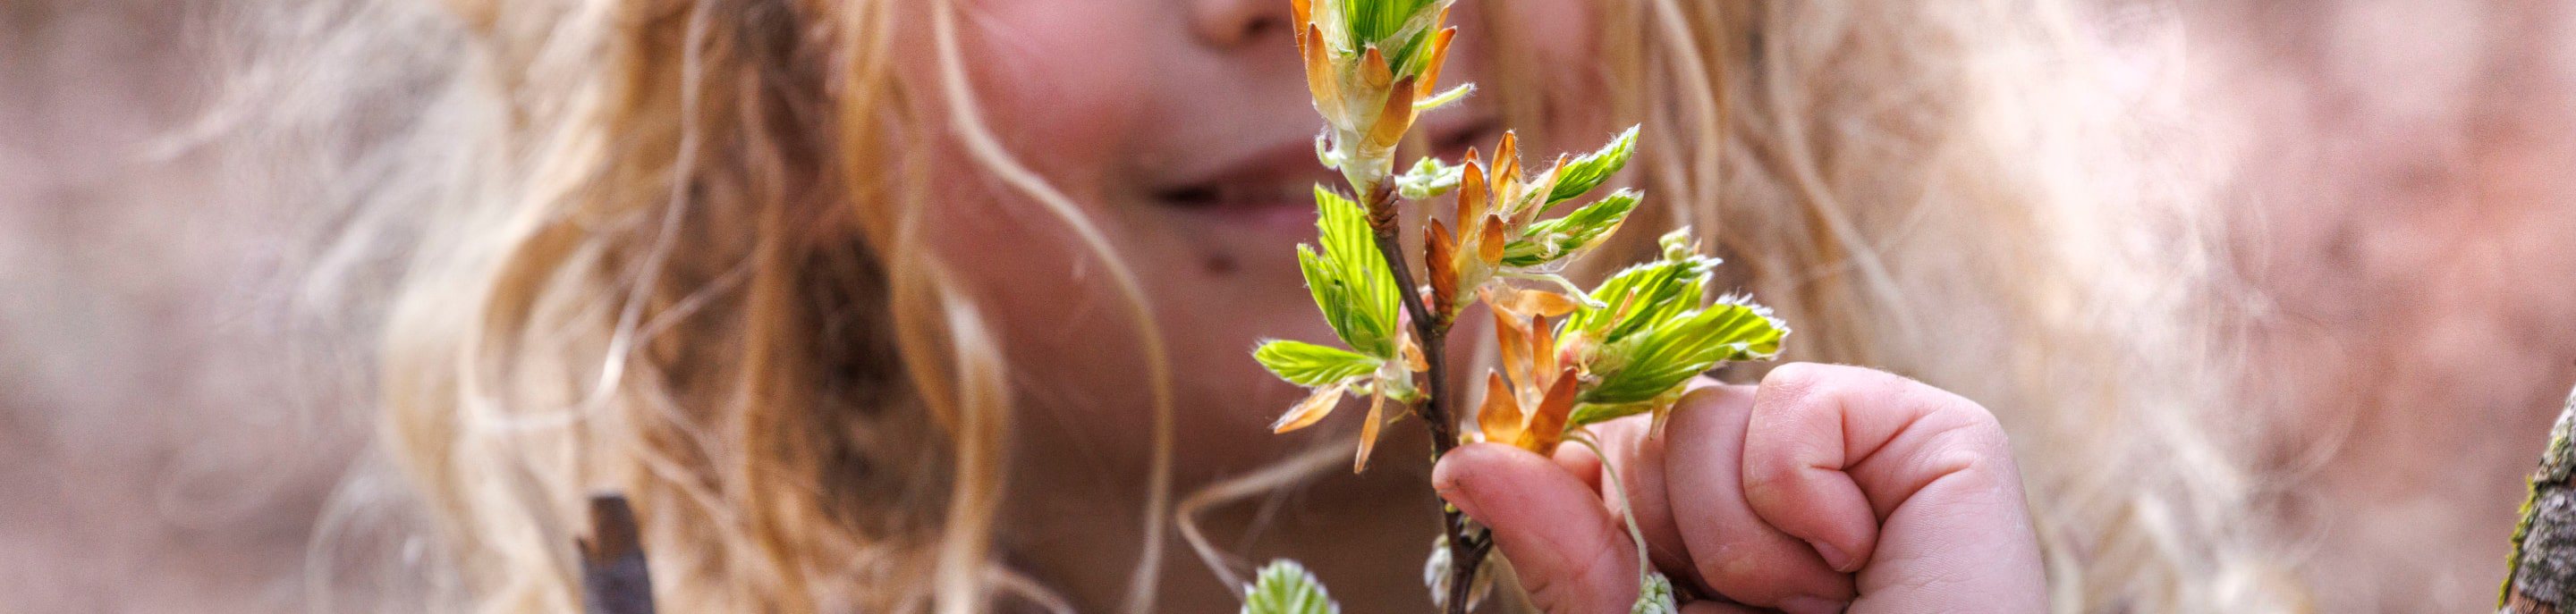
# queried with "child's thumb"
point(1568, 551)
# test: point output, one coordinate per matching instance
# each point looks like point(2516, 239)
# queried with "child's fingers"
point(1639, 457)
point(1914, 483)
point(1569, 553)
point(1733, 551)
point(1581, 462)
point(1805, 438)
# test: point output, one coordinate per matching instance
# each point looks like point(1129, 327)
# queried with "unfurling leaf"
point(1589, 170)
point(1645, 294)
point(1285, 587)
point(1350, 281)
point(1310, 365)
point(1665, 355)
point(1550, 240)
point(1371, 67)
point(1377, 22)
point(1531, 411)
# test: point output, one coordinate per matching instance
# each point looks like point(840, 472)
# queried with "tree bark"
point(2541, 575)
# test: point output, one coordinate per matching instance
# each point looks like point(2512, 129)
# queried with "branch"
point(613, 576)
point(1466, 552)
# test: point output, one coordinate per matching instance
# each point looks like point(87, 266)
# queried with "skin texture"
point(1820, 484)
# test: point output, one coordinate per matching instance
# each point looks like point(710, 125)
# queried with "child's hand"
point(1823, 486)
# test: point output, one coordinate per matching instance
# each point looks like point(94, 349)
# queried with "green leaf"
point(1349, 279)
point(1310, 365)
point(1586, 414)
point(1410, 58)
point(1589, 170)
point(1594, 413)
point(1401, 29)
point(1526, 252)
point(1553, 239)
point(1371, 21)
point(1665, 355)
point(1333, 298)
point(1642, 296)
point(1285, 587)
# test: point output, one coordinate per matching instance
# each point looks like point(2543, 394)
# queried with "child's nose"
point(1228, 24)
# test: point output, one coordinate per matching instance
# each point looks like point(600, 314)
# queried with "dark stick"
point(613, 576)
point(1465, 552)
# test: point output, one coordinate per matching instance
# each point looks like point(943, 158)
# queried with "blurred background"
point(2399, 179)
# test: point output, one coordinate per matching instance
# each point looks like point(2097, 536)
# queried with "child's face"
point(1184, 129)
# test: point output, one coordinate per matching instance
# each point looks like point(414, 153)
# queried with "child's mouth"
point(1254, 202)
point(1276, 187)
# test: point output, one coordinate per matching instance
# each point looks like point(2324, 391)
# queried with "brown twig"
point(1466, 551)
point(614, 579)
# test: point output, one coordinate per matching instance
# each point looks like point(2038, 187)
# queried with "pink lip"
point(1271, 189)
point(1291, 215)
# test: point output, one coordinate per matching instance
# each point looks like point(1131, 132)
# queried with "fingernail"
point(1834, 557)
point(1810, 605)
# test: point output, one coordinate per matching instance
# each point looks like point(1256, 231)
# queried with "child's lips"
point(1256, 203)
point(1274, 187)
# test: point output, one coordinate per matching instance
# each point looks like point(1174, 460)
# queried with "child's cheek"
point(1058, 81)
point(1559, 32)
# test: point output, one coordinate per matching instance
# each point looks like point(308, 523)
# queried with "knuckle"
point(1767, 480)
point(1794, 379)
point(1969, 420)
point(1799, 390)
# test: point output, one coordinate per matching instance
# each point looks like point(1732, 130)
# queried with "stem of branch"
point(1466, 551)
